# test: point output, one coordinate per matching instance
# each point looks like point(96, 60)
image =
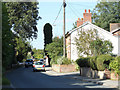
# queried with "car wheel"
point(33, 70)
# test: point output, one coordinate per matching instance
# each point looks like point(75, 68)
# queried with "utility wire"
point(57, 15)
point(73, 10)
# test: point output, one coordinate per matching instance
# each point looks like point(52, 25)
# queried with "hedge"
point(83, 62)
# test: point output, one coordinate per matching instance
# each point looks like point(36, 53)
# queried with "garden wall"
point(64, 68)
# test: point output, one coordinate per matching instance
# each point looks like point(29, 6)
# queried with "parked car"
point(37, 66)
point(28, 62)
point(42, 60)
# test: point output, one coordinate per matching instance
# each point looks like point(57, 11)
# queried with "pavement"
point(76, 75)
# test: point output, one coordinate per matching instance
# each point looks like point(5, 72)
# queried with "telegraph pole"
point(64, 41)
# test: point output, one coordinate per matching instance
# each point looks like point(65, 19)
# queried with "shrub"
point(83, 62)
point(54, 61)
point(115, 65)
point(93, 62)
point(103, 61)
point(5, 81)
point(63, 60)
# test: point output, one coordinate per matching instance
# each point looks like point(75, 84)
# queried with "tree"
point(55, 48)
point(105, 13)
point(23, 18)
point(47, 34)
point(38, 53)
point(83, 40)
point(22, 49)
point(47, 38)
point(88, 43)
point(7, 40)
point(101, 46)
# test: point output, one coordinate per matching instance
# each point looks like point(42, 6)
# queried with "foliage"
point(83, 41)
point(22, 49)
point(83, 62)
point(23, 18)
point(115, 65)
point(38, 53)
point(105, 13)
point(101, 47)
point(47, 35)
point(55, 48)
point(7, 40)
point(93, 62)
point(103, 62)
point(74, 25)
point(63, 60)
point(5, 81)
point(88, 43)
point(54, 61)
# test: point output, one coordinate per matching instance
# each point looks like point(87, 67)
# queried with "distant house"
point(85, 23)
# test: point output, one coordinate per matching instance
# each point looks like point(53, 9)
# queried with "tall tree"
point(47, 38)
point(55, 48)
point(7, 39)
point(23, 18)
point(105, 13)
point(22, 49)
point(47, 34)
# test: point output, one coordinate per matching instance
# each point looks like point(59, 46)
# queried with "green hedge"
point(115, 65)
point(103, 61)
point(95, 62)
point(83, 62)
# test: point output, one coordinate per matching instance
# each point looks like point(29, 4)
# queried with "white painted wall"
point(101, 33)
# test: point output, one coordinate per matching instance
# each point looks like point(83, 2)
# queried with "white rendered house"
point(85, 24)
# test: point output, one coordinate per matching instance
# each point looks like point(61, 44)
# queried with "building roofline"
point(115, 30)
point(69, 32)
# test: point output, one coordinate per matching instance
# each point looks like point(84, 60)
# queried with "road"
point(26, 78)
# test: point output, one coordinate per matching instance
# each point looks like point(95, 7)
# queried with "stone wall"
point(63, 68)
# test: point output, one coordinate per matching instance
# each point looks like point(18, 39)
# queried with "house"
point(85, 23)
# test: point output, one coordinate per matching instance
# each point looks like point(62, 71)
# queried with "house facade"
point(85, 24)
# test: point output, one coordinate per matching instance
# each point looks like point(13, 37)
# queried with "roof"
point(84, 24)
point(115, 30)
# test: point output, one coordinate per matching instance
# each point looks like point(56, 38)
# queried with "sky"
point(49, 11)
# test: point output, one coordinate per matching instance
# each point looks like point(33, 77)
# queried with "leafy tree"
point(55, 48)
point(38, 53)
point(83, 40)
point(88, 43)
point(23, 18)
point(22, 48)
point(105, 13)
point(101, 46)
point(7, 39)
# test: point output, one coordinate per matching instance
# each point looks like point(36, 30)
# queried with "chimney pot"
point(85, 10)
point(89, 10)
point(81, 18)
point(78, 19)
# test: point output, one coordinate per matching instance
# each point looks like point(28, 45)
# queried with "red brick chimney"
point(79, 22)
point(87, 16)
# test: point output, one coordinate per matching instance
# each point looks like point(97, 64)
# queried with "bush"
point(115, 65)
point(61, 60)
point(83, 62)
point(103, 62)
point(5, 81)
point(93, 62)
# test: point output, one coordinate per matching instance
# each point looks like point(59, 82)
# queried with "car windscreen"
point(29, 60)
point(38, 63)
